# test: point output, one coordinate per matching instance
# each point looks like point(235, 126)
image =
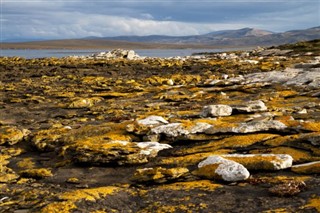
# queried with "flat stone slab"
point(307, 168)
point(262, 161)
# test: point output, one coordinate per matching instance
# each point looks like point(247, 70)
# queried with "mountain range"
point(246, 37)
point(240, 37)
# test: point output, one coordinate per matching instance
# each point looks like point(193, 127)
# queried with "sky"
point(60, 19)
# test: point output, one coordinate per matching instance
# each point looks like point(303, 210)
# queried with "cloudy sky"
point(57, 19)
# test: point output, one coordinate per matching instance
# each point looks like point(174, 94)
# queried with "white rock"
point(228, 170)
point(152, 148)
point(177, 129)
point(303, 111)
point(249, 127)
point(170, 130)
point(216, 110)
point(199, 127)
point(252, 106)
point(152, 120)
point(131, 55)
point(258, 126)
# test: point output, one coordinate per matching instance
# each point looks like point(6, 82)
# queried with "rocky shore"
point(117, 132)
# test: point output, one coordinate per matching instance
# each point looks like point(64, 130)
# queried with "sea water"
point(58, 53)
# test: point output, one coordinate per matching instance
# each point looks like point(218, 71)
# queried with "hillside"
point(246, 37)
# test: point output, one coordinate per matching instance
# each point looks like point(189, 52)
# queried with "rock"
point(84, 102)
point(116, 53)
point(11, 134)
point(48, 140)
point(289, 188)
point(290, 76)
point(216, 167)
point(269, 52)
point(262, 161)
point(251, 106)
point(249, 127)
point(216, 111)
point(114, 152)
point(178, 129)
point(307, 168)
point(257, 126)
point(36, 173)
point(158, 174)
point(6, 174)
point(152, 120)
point(152, 148)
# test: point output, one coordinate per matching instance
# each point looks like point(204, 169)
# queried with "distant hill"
point(246, 37)
point(241, 37)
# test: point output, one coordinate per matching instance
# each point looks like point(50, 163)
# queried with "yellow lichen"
point(315, 203)
point(297, 155)
point(36, 173)
point(311, 126)
point(191, 159)
point(92, 194)
point(278, 141)
point(59, 207)
point(191, 185)
point(309, 168)
point(26, 163)
point(226, 143)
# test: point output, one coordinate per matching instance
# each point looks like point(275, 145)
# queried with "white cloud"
point(78, 18)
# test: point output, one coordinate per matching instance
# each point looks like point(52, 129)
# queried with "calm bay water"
point(62, 53)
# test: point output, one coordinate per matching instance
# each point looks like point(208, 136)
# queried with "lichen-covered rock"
point(158, 174)
point(249, 127)
point(251, 106)
point(178, 129)
point(116, 53)
point(262, 161)
point(113, 152)
point(6, 174)
point(216, 167)
point(36, 173)
point(288, 188)
point(216, 110)
point(11, 134)
point(289, 76)
point(48, 140)
point(84, 102)
point(307, 168)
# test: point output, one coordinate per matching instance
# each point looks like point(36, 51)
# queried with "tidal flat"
point(221, 132)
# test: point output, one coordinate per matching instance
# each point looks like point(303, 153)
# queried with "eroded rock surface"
point(108, 134)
